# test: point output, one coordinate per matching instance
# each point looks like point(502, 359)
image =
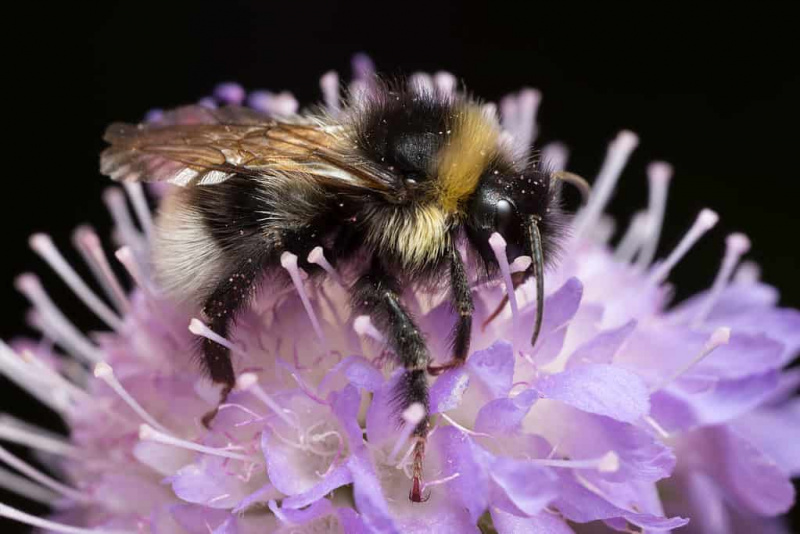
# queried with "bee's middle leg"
point(461, 298)
point(377, 293)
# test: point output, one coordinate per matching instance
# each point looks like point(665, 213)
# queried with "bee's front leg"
point(377, 293)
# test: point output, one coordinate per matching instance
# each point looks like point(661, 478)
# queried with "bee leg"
point(461, 298)
point(377, 293)
point(219, 313)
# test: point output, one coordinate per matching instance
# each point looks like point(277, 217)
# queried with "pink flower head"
point(628, 415)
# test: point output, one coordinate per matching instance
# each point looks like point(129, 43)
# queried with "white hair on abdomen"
point(186, 257)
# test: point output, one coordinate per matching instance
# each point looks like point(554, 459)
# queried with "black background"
point(715, 93)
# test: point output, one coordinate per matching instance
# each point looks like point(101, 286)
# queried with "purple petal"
point(351, 522)
point(383, 421)
point(504, 416)
point(198, 519)
point(260, 496)
point(317, 510)
point(578, 504)
point(338, 478)
point(602, 348)
point(493, 368)
point(368, 496)
point(470, 489)
point(447, 391)
point(744, 474)
point(521, 487)
point(675, 409)
point(776, 432)
point(209, 483)
point(543, 523)
point(599, 389)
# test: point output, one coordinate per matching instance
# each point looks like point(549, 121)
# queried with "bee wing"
point(194, 145)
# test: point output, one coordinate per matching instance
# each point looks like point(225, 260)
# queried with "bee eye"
point(504, 211)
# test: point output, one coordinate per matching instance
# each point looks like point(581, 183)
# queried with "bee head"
point(505, 203)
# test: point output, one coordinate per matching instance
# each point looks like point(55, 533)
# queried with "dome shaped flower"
point(629, 414)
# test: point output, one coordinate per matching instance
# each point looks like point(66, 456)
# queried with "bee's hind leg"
point(377, 293)
point(220, 309)
point(461, 298)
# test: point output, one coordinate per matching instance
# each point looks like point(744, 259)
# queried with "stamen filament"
point(148, 433)
point(249, 382)
point(329, 83)
point(139, 201)
point(44, 247)
point(114, 199)
point(22, 433)
point(105, 372)
point(720, 336)
point(704, 222)
point(17, 515)
point(445, 83)
point(127, 259)
point(45, 480)
point(498, 245)
point(66, 333)
point(364, 327)
point(619, 150)
point(199, 328)
point(317, 256)
point(658, 176)
point(438, 481)
point(608, 463)
point(632, 239)
point(736, 245)
point(555, 155)
point(412, 416)
point(22, 486)
point(289, 262)
point(88, 244)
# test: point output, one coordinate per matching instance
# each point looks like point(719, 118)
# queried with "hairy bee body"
point(391, 189)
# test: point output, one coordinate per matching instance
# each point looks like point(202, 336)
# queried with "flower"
point(629, 414)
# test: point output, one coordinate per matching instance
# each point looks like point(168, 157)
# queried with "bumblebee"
point(392, 187)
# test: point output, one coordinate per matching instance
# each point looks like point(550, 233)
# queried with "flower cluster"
point(628, 415)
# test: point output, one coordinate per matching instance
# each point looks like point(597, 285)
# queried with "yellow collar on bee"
point(471, 145)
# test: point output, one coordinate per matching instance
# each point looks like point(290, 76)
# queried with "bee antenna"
point(576, 181)
point(535, 241)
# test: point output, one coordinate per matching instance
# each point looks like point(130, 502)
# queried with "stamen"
point(136, 194)
point(520, 264)
point(16, 515)
point(230, 93)
point(249, 382)
point(29, 379)
point(33, 437)
point(720, 336)
point(464, 429)
point(498, 245)
point(658, 176)
point(329, 83)
point(25, 488)
point(608, 463)
point(445, 83)
point(704, 222)
point(289, 262)
point(519, 118)
point(660, 430)
point(633, 238)
point(282, 104)
point(617, 156)
point(412, 416)
point(199, 328)
point(114, 199)
point(749, 272)
point(317, 257)
point(438, 481)
point(45, 480)
point(364, 327)
point(88, 244)
point(362, 66)
point(43, 245)
point(148, 433)
point(105, 372)
point(54, 378)
point(126, 258)
point(66, 333)
point(736, 245)
point(421, 82)
point(555, 155)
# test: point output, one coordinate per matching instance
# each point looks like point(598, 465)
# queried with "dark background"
point(715, 93)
